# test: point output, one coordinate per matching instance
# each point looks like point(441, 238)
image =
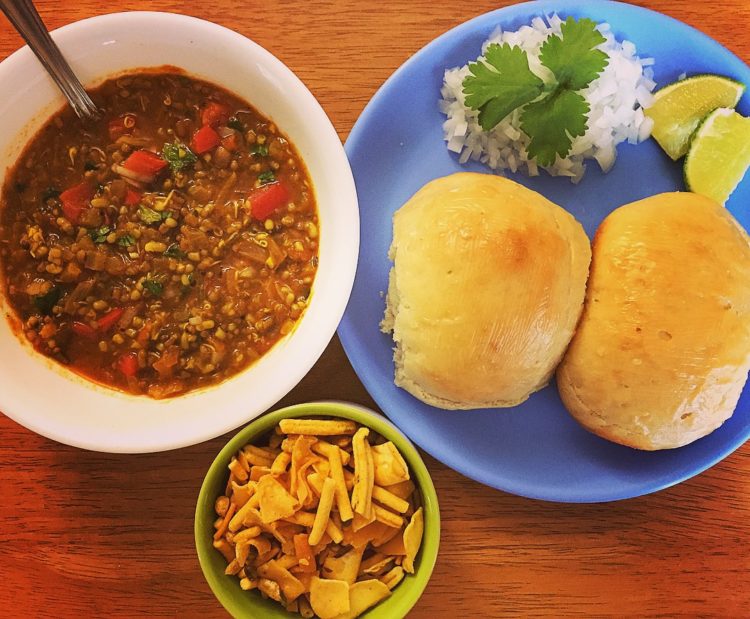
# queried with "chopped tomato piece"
point(231, 142)
point(204, 140)
point(133, 197)
point(74, 200)
point(267, 199)
point(214, 114)
point(128, 364)
point(82, 329)
point(107, 321)
point(121, 125)
point(145, 163)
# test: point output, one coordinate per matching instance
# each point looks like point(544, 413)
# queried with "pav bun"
point(663, 347)
point(485, 291)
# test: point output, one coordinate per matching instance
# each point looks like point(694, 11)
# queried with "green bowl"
point(243, 604)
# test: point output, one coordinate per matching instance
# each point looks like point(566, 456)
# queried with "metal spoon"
point(25, 19)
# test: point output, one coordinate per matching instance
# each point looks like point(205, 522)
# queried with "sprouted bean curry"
point(165, 247)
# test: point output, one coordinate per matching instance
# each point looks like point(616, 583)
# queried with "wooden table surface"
point(88, 534)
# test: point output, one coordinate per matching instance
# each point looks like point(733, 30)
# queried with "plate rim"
point(347, 332)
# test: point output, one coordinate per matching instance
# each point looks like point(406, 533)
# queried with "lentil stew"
point(165, 247)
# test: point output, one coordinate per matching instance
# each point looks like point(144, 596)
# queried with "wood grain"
point(89, 534)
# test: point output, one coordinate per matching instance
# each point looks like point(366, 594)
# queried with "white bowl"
point(53, 401)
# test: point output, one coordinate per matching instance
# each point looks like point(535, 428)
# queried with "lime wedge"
point(719, 155)
point(678, 108)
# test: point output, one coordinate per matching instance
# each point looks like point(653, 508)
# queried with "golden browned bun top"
point(486, 288)
point(663, 348)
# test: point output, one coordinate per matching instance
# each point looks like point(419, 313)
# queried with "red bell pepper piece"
point(128, 364)
point(204, 140)
point(215, 114)
point(121, 125)
point(75, 199)
point(145, 163)
point(133, 197)
point(82, 329)
point(107, 321)
point(267, 199)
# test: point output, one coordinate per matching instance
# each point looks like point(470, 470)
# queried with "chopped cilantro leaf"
point(155, 287)
point(236, 123)
point(99, 235)
point(148, 215)
point(500, 85)
point(50, 193)
point(45, 302)
point(266, 177)
point(552, 123)
point(178, 155)
point(572, 57)
point(126, 240)
point(260, 150)
point(174, 251)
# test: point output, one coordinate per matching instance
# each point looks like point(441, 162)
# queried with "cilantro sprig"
point(154, 286)
point(126, 240)
point(266, 177)
point(501, 84)
point(150, 216)
point(174, 251)
point(178, 155)
point(99, 235)
point(553, 114)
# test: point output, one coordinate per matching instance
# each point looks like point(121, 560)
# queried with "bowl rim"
point(347, 410)
point(342, 265)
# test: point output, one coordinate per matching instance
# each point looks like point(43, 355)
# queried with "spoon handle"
point(25, 19)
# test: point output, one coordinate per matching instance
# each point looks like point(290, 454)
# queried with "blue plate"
point(536, 449)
